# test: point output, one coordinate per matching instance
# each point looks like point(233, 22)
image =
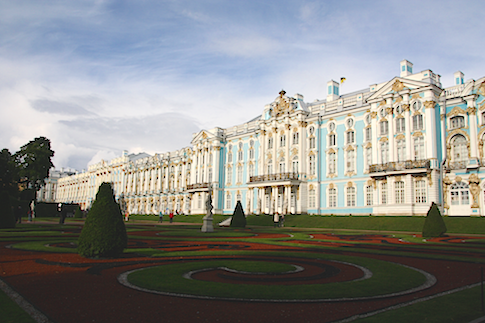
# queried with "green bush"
point(7, 218)
point(104, 232)
point(78, 214)
point(434, 226)
point(238, 217)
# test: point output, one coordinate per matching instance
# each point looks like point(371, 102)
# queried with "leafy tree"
point(8, 173)
point(33, 161)
point(104, 232)
point(434, 226)
point(7, 218)
point(238, 217)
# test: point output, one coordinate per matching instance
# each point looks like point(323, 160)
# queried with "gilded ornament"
point(373, 114)
point(481, 89)
point(399, 99)
point(383, 102)
point(471, 110)
point(429, 104)
point(350, 184)
point(398, 86)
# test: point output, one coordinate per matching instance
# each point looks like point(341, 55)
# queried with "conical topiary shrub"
point(104, 233)
point(7, 218)
point(434, 226)
point(238, 217)
point(78, 214)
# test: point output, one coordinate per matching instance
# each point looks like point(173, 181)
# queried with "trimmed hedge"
point(434, 226)
point(104, 232)
point(238, 217)
point(7, 217)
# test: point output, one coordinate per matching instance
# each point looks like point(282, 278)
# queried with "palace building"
point(390, 149)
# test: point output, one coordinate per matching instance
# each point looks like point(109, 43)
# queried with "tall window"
point(283, 140)
point(332, 163)
point(229, 174)
point(400, 125)
point(295, 138)
point(332, 197)
point(401, 150)
point(312, 143)
point(251, 153)
point(240, 155)
point(384, 127)
point(460, 150)
point(270, 166)
point(418, 122)
point(228, 201)
point(229, 157)
point(384, 193)
point(418, 148)
point(384, 152)
point(368, 134)
point(311, 165)
point(239, 174)
point(350, 137)
point(282, 165)
point(311, 198)
point(459, 194)
point(199, 201)
point(350, 196)
point(368, 157)
point(369, 195)
point(270, 143)
point(420, 191)
point(210, 175)
point(331, 140)
point(250, 171)
point(351, 160)
point(399, 192)
point(294, 164)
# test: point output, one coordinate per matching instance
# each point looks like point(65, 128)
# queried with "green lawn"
point(10, 312)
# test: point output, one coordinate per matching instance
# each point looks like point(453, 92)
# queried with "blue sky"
point(99, 77)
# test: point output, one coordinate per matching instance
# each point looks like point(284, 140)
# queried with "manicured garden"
point(259, 263)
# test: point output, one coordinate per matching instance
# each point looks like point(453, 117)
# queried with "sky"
point(98, 77)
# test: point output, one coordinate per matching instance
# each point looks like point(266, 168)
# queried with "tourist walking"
point(276, 219)
point(160, 217)
point(171, 216)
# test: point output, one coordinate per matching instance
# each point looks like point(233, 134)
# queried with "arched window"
point(240, 155)
point(251, 153)
point(350, 196)
point(460, 150)
point(459, 194)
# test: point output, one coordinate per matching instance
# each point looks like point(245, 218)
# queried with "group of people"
point(170, 215)
point(278, 219)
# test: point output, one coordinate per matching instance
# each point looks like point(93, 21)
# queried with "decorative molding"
point(383, 102)
point(399, 99)
point(331, 185)
point(398, 86)
point(471, 110)
point(400, 136)
point(417, 134)
point(383, 139)
point(455, 111)
point(373, 114)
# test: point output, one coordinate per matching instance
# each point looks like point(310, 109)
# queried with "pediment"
point(202, 135)
point(396, 85)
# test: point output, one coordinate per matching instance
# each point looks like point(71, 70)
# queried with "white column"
point(430, 129)
point(390, 118)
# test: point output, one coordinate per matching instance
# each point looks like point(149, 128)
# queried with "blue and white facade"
point(390, 149)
